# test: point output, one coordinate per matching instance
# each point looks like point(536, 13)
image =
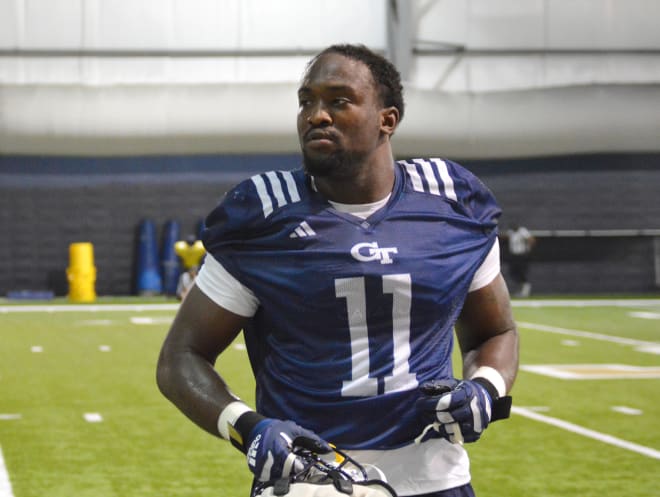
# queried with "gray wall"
point(614, 200)
point(48, 203)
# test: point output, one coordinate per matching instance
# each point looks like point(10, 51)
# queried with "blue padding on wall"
point(54, 172)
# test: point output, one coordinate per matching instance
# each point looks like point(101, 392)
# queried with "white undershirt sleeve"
point(488, 269)
point(225, 290)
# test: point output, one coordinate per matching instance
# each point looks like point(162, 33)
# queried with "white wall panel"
point(9, 22)
point(174, 25)
point(506, 73)
point(603, 24)
point(205, 24)
point(484, 104)
point(445, 21)
point(49, 24)
point(506, 24)
point(127, 25)
point(238, 119)
point(482, 23)
point(538, 24)
point(311, 24)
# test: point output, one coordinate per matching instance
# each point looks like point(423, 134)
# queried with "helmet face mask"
point(321, 477)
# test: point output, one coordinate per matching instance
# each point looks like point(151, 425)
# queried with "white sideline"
point(64, 307)
point(586, 303)
point(5, 484)
point(88, 308)
point(586, 334)
point(586, 432)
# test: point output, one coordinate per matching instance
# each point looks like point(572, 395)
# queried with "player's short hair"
point(386, 76)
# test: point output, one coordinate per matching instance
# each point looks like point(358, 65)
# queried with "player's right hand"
point(270, 448)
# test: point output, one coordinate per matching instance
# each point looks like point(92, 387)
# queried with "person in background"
point(520, 243)
point(348, 277)
point(190, 251)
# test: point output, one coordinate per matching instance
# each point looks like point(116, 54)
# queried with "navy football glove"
point(456, 411)
point(270, 447)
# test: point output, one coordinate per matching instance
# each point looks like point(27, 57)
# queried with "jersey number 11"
point(401, 379)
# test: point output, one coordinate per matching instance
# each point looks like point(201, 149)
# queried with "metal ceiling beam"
point(400, 36)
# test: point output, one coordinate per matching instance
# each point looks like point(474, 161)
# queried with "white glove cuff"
point(228, 417)
point(493, 376)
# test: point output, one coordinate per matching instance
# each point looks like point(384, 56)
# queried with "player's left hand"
point(456, 411)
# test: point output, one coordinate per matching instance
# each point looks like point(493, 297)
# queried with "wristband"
point(492, 381)
point(235, 423)
point(493, 377)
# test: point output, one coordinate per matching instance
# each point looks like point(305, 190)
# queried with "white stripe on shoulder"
point(281, 184)
point(291, 186)
point(434, 178)
point(430, 177)
point(446, 179)
point(414, 176)
point(266, 202)
point(276, 186)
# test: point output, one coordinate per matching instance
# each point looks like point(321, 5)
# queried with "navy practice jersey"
point(354, 314)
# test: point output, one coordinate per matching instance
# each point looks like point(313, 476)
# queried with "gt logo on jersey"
point(370, 251)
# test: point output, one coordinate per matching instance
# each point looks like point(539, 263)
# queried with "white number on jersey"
point(361, 384)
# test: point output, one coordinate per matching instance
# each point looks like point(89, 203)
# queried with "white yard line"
point(174, 306)
point(587, 334)
point(587, 303)
point(586, 432)
point(88, 308)
point(5, 484)
point(645, 315)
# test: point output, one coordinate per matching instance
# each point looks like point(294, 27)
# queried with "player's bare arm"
point(487, 332)
point(200, 332)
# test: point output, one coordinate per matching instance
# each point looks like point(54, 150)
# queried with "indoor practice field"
point(81, 416)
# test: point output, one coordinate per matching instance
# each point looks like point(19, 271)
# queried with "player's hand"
point(456, 411)
point(270, 448)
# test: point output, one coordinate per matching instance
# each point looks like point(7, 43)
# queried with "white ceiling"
point(487, 78)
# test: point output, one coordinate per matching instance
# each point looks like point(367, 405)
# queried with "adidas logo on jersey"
point(303, 230)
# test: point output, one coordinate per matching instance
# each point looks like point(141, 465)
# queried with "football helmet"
point(321, 477)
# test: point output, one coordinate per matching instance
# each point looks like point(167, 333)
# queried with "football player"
point(349, 277)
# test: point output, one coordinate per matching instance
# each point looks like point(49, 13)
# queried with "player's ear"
point(389, 120)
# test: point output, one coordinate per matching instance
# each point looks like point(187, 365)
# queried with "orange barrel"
point(81, 272)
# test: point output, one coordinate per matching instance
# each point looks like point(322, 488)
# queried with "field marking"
point(88, 308)
point(587, 334)
point(593, 371)
point(586, 432)
point(649, 349)
point(630, 411)
point(9, 417)
point(93, 417)
point(149, 320)
point(587, 303)
point(5, 484)
point(173, 307)
point(644, 315)
point(96, 322)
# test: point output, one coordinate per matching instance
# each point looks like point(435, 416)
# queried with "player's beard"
point(340, 165)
